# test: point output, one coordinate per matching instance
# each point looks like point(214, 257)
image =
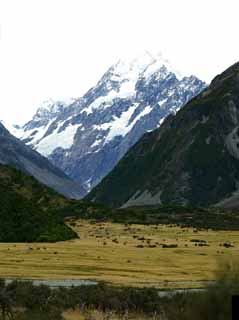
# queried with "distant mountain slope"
point(88, 136)
point(192, 159)
point(16, 153)
point(27, 210)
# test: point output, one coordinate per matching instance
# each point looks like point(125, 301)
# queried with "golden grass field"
point(108, 252)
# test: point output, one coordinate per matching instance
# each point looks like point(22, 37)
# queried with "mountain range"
point(192, 159)
point(86, 137)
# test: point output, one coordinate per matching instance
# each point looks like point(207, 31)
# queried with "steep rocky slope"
point(15, 152)
point(193, 158)
point(86, 137)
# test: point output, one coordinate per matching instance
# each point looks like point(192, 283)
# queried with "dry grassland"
point(129, 255)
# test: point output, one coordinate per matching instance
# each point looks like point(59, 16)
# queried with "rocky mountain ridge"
point(15, 153)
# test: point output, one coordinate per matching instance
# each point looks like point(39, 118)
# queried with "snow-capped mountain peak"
point(120, 81)
point(143, 66)
point(87, 137)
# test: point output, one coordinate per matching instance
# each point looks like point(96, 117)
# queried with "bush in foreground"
point(41, 302)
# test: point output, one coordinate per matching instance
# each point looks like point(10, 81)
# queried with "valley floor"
point(129, 255)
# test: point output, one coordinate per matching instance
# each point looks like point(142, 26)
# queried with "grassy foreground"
point(126, 255)
point(24, 301)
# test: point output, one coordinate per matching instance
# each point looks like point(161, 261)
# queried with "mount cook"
point(87, 137)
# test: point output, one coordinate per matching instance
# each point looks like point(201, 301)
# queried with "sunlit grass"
point(108, 252)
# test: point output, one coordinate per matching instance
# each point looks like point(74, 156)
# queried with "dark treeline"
point(184, 216)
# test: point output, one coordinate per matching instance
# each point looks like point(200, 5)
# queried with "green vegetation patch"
point(27, 210)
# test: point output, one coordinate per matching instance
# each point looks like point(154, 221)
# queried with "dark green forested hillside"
point(28, 209)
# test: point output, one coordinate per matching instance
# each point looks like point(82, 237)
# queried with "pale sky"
point(60, 48)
